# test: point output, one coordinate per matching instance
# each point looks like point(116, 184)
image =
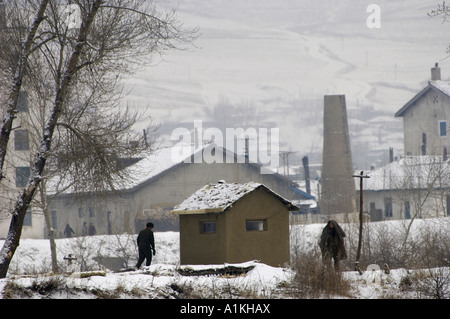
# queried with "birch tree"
point(82, 59)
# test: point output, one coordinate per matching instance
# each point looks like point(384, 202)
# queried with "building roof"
point(143, 169)
point(408, 173)
point(167, 158)
point(303, 193)
point(439, 86)
point(160, 162)
point(217, 198)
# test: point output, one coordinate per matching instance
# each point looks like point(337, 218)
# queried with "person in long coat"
point(84, 229)
point(92, 230)
point(332, 244)
point(68, 231)
point(146, 244)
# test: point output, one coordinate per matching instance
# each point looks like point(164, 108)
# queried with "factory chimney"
point(338, 185)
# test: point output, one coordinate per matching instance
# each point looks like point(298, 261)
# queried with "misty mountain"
point(269, 64)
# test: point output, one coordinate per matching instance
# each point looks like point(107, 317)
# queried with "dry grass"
point(315, 280)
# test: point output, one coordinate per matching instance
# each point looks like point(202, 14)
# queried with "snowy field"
point(30, 277)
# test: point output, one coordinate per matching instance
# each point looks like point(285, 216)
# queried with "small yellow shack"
point(234, 223)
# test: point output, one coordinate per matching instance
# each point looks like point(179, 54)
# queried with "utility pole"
point(285, 158)
point(361, 176)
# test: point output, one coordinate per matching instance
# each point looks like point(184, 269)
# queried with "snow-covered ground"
point(29, 275)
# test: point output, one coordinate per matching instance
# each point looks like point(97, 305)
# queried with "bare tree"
point(442, 11)
point(110, 38)
point(425, 184)
point(420, 186)
point(18, 71)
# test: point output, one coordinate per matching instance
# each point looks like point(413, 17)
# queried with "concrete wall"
point(109, 214)
point(424, 117)
point(270, 246)
point(232, 243)
point(202, 248)
point(8, 190)
point(426, 204)
point(35, 230)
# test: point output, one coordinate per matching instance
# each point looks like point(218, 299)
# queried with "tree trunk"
point(51, 231)
point(22, 204)
point(15, 229)
point(7, 122)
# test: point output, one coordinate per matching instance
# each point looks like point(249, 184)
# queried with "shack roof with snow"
point(217, 198)
point(231, 223)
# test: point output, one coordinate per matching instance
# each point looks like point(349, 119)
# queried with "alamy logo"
point(257, 145)
point(374, 19)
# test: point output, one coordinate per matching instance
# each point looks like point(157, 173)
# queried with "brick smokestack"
point(338, 185)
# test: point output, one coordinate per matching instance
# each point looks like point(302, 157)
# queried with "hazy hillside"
point(269, 63)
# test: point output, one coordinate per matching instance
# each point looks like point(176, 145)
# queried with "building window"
point(53, 216)
point(256, 225)
point(448, 205)
point(388, 207)
point(442, 128)
point(208, 227)
point(423, 147)
point(27, 220)
point(80, 212)
point(91, 212)
point(21, 142)
point(22, 176)
point(22, 102)
point(407, 210)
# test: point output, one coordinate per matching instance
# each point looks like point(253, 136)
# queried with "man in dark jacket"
point(332, 244)
point(146, 243)
point(68, 231)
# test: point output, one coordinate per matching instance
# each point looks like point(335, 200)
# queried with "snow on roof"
point(218, 197)
point(168, 157)
point(156, 163)
point(412, 172)
point(442, 86)
point(146, 168)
